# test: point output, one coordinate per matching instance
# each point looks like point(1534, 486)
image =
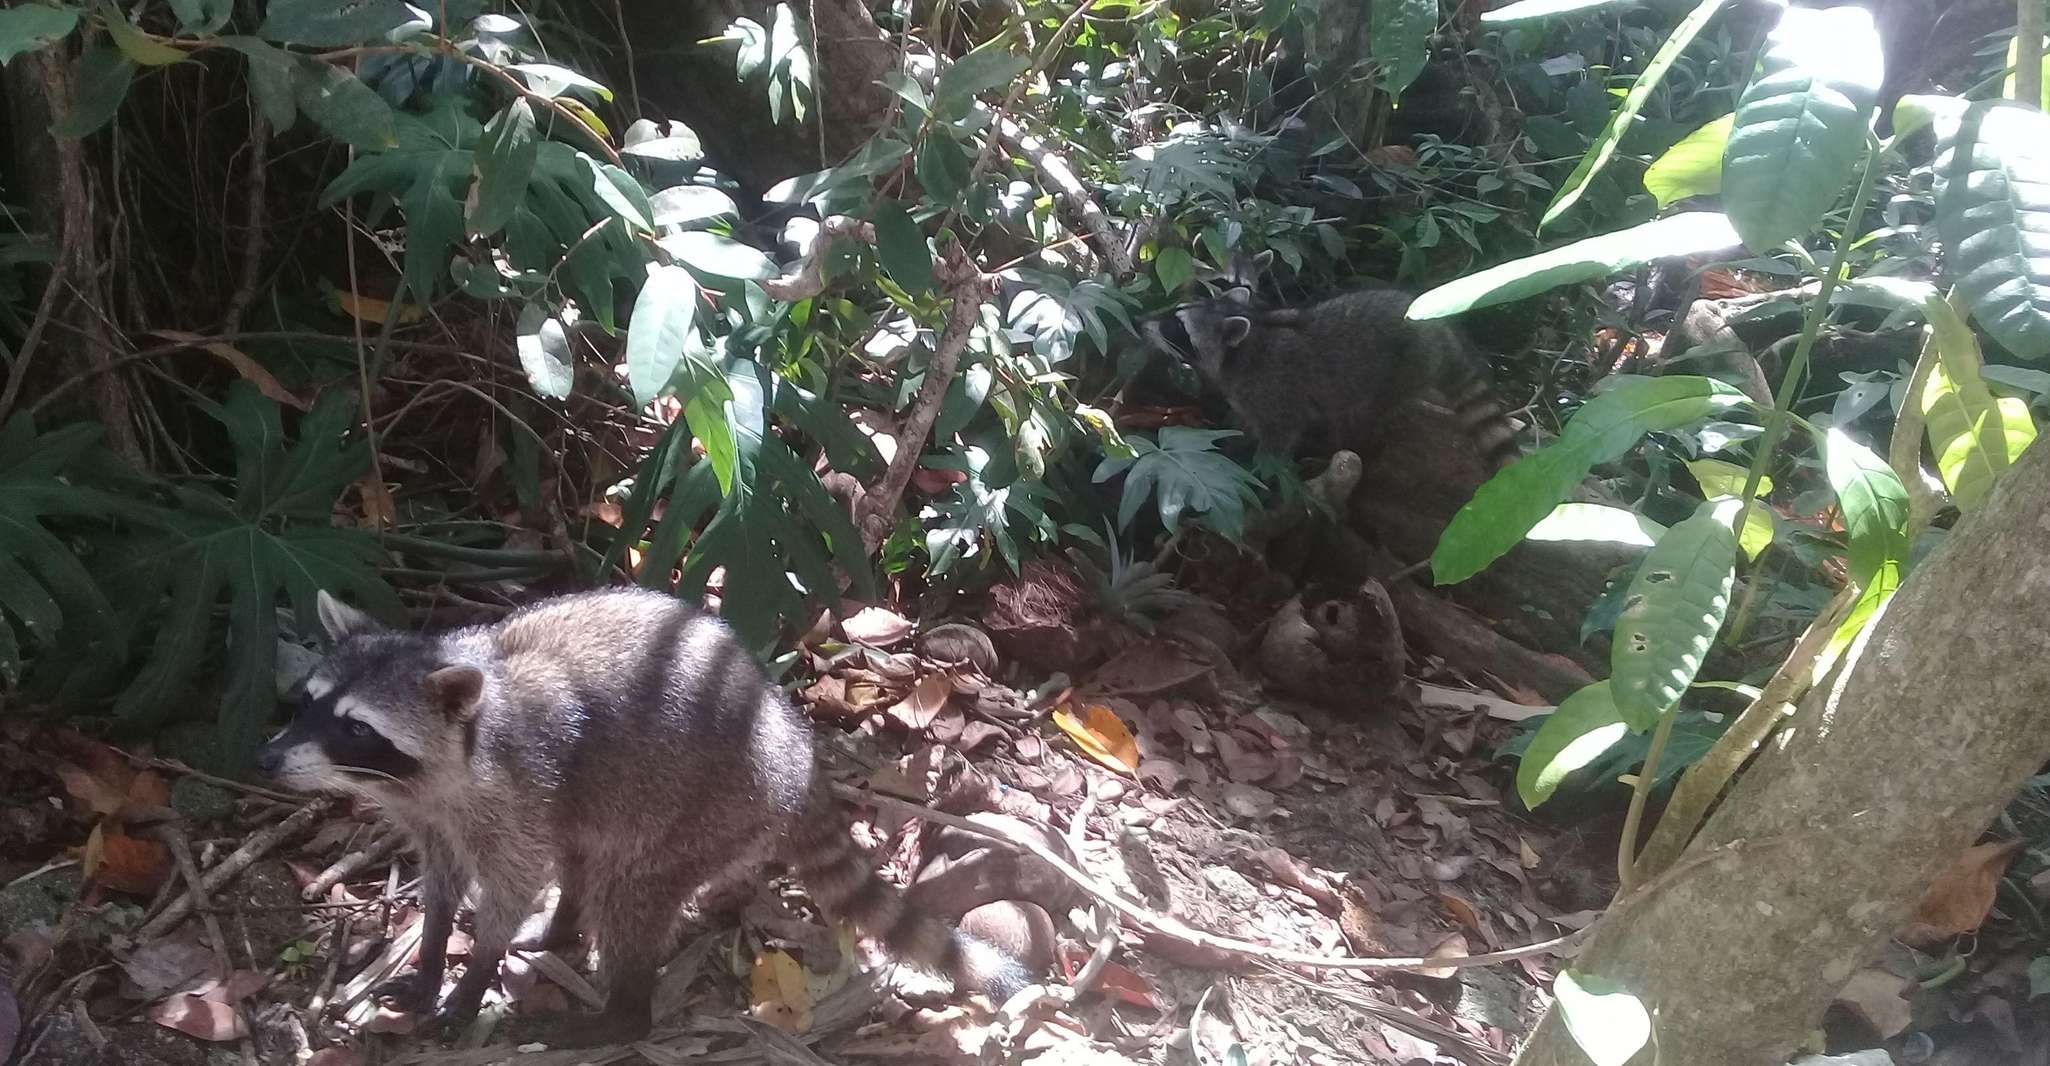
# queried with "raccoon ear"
point(456, 690)
point(1235, 330)
point(341, 620)
point(1264, 260)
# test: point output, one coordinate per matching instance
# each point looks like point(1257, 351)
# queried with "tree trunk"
point(1828, 841)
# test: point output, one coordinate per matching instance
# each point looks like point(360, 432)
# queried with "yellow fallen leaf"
point(372, 310)
point(251, 371)
point(780, 995)
point(1101, 734)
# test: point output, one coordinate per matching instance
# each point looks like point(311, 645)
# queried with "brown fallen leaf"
point(1958, 901)
point(1242, 763)
point(1149, 666)
point(923, 704)
point(99, 796)
point(1248, 801)
point(778, 993)
point(380, 511)
point(1461, 911)
point(1163, 774)
point(197, 1016)
point(1451, 947)
point(1101, 735)
point(879, 626)
point(161, 967)
point(136, 865)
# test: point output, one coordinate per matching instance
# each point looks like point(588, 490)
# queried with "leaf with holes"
point(1992, 209)
point(1604, 147)
point(1802, 124)
point(1671, 615)
point(1687, 233)
point(1572, 736)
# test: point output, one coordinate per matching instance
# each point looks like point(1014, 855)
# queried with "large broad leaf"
point(715, 256)
point(343, 106)
point(544, 352)
point(271, 73)
point(334, 23)
point(1577, 733)
point(1688, 233)
point(1671, 615)
point(134, 42)
point(685, 205)
point(663, 317)
point(104, 75)
point(27, 27)
point(274, 542)
point(1188, 474)
point(1597, 523)
point(900, 246)
point(1609, 1024)
point(1514, 501)
point(1802, 124)
point(1527, 10)
point(1604, 147)
point(504, 164)
point(1693, 167)
point(1875, 510)
point(47, 596)
point(987, 66)
point(1993, 212)
point(1402, 40)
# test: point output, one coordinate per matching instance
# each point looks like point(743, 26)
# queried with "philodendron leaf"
point(1610, 1025)
point(1693, 167)
point(1992, 209)
point(504, 165)
point(1802, 124)
point(1611, 423)
point(1572, 736)
point(1604, 147)
point(1687, 233)
point(1671, 615)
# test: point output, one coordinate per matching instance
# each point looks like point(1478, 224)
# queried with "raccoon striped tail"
point(1481, 417)
point(844, 882)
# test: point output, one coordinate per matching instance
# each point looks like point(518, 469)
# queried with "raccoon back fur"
point(1329, 371)
point(619, 743)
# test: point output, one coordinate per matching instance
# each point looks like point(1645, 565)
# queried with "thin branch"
point(253, 220)
point(1087, 216)
point(242, 858)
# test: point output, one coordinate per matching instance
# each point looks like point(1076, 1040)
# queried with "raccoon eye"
point(359, 729)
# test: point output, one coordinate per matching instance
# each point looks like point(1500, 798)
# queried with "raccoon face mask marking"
point(334, 742)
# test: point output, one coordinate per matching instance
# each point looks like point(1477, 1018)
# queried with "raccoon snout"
point(270, 759)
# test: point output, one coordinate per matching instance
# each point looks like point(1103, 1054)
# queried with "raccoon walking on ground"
point(1329, 371)
point(619, 743)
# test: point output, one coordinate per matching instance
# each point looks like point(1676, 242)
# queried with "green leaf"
point(1186, 473)
point(942, 166)
point(663, 316)
point(1174, 266)
point(1610, 1025)
point(27, 27)
point(202, 16)
point(1402, 40)
point(505, 163)
point(1802, 124)
point(1604, 147)
point(1572, 736)
point(1514, 501)
point(676, 144)
point(1719, 478)
point(900, 247)
point(339, 102)
point(1693, 167)
point(989, 65)
point(271, 74)
point(1992, 173)
point(104, 75)
point(544, 352)
point(1596, 522)
point(334, 23)
point(1671, 615)
point(616, 192)
point(1875, 510)
point(552, 81)
point(683, 205)
point(1687, 233)
point(137, 45)
point(715, 256)
point(1526, 10)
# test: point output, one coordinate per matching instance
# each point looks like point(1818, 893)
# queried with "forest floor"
point(1244, 838)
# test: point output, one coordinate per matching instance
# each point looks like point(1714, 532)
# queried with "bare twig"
point(348, 864)
point(1177, 930)
point(173, 836)
point(958, 275)
point(176, 767)
point(1086, 215)
point(252, 195)
point(240, 859)
point(338, 946)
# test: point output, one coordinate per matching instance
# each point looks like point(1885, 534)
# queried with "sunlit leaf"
point(682, 205)
point(1688, 233)
point(1693, 167)
point(1671, 614)
point(1604, 147)
point(552, 81)
point(663, 316)
point(1719, 478)
point(1610, 1025)
point(1875, 511)
point(720, 257)
point(1992, 209)
point(544, 352)
point(1576, 734)
point(1101, 735)
point(1526, 10)
point(1596, 522)
point(1802, 124)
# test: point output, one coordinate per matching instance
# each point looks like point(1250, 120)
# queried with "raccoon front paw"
point(460, 1009)
point(411, 993)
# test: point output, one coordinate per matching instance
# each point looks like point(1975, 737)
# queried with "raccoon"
point(1330, 370)
point(621, 744)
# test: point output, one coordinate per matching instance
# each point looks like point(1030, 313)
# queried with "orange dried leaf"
point(136, 865)
point(250, 370)
point(779, 994)
point(1101, 735)
point(1959, 900)
point(371, 310)
point(100, 796)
